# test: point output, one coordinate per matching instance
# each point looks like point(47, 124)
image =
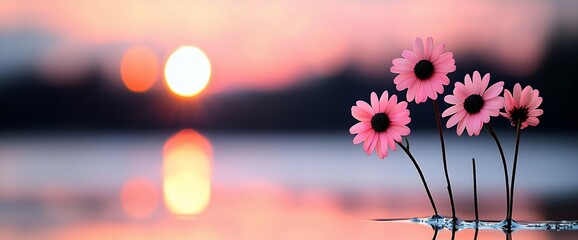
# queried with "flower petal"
point(383, 102)
point(517, 94)
point(477, 81)
point(401, 65)
point(473, 123)
point(385, 142)
point(457, 117)
point(411, 57)
point(446, 58)
point(431, 89)
point(359, 127)
point(461, 91)
point(509, 100)
point(536, 113)
point(368, 141)
point(533, 121)
point(361, 114)
point(496, 103)
point(379, 149)
point(390, 106)
point(429, 48)
point(374, 102)
point(390, 140)
point(462, 124)
point(418, 48)
point(404, 81)
point(374, 143)
point(452, 99)
point(468, 83)
point(485, 83)
point(526, 96)
point(437, 52)
point(365, 106)
point(493, 91)
point(362, 136)
point(452, 110)
point(400, 131)
point(536, 101)
point(412, 90)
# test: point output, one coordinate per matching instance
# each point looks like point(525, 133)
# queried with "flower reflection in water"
point(187, 173)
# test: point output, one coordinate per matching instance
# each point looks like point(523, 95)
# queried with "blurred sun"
point(139, 68)
point(187, 71)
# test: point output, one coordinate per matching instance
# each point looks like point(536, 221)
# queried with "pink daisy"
point(381, 124)
point(423, 71)
point(474, 103)
point(523, 106)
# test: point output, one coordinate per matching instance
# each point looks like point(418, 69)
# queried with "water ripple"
point(439, 222)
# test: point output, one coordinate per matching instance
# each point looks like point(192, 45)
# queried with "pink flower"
point(423, 71)
point(381, 124)
point(474, 103)
point(523, 106)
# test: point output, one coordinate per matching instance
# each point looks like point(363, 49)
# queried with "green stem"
point(424, 182)
point(505, 165)
point(443, 146)
point(518, 131)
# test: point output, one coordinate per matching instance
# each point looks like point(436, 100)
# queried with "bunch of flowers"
point(423, 73)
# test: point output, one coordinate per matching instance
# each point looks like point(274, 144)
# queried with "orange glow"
point(139, 68)
point(187, 71)
point(187, 173)
point(139, 198)
point(275, 44)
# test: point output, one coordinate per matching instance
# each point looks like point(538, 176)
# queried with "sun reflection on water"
point(187, 173)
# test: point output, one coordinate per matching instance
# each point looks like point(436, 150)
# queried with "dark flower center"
point(519, 114)
point(380, 122)
point(473, 103)
point(423, 69)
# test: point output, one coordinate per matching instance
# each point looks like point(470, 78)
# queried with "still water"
point(190, 185)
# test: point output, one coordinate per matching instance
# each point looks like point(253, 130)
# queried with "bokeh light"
point(187, 71)
point(139, 68)
point(187, 173)
point(139, 197)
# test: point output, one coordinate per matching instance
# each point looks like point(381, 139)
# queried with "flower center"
point(473, 103)
point(519, 114)
point(380, 122)
point(423, 69)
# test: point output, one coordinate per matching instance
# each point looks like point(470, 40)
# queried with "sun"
point(187, 71)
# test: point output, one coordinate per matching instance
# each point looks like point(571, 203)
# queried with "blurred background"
point(225, 120)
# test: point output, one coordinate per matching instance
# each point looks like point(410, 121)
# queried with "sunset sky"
point(227, 119)
point(272, 44)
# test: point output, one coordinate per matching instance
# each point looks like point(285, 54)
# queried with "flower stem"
point(435, 236)
point(406, 150)
point(443, 146)
point(475, 191)
point(518, 131)
point(505, 165)
point(475, 198)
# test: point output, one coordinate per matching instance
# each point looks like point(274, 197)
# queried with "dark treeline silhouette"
point(27, 102)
